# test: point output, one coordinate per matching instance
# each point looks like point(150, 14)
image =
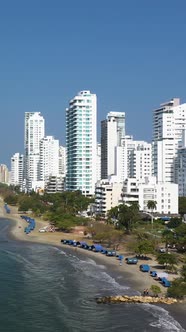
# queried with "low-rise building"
point(108, 195)
point(164, 194)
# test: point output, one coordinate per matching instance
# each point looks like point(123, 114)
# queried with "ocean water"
point(52, 289)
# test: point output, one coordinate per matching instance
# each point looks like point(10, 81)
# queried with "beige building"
point(4, 174)
point(108, 195)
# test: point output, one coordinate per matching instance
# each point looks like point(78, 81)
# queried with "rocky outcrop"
point(135, 299)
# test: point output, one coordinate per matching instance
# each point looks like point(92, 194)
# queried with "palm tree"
point(151, 205)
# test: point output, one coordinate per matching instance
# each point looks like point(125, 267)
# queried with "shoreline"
point(137, 280)
point(128, 275)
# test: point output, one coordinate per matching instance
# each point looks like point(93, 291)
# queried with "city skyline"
point(132, 56)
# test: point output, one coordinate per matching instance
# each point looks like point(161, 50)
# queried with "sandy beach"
point(136, 279)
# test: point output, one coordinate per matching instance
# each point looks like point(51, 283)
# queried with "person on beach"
point(144, 292)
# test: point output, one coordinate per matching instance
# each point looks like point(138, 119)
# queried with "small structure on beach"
point(144, 268)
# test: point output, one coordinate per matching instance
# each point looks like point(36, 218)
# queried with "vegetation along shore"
point(124, 233)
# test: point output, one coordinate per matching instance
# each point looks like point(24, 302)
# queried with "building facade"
point(169, 121)
point(81, 143)
point(164, 194)
point(17, 168)
point(34, 132)
point(133, 159)
point(112, 133)
point(98, 163)
point(107, 196)
point(62, 160)
point(4, 174)
point(49, 158)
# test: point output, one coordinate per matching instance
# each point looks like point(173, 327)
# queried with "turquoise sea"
point(51, 289)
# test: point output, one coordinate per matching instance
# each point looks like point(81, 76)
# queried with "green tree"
point(145, 247)
point(166, 259)
point(151, 205)
point(174, 222)
point(177, 289)
point(183, 272)
point(112, 215)
point(182, 205)
point(127, 216)
point(168, 237)
point(11, 199)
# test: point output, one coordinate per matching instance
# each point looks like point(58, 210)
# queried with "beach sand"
point(136, 279)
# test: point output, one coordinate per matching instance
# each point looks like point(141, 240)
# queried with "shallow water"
point(50, 289)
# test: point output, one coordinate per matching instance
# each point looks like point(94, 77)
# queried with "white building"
point(112, 132)
point(34, 132)
point(169, 121)
point(98, 163)
point(107, 196)
point(165, 194)
point(17, 168)
point(81, 143)
point(62, 160)
point(181, 167)
point(49, 158)
point(133, 159)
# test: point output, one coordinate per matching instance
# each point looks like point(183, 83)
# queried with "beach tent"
point(104, 251)
point(166, 283)
point(111, 253)
point(83, 244)
point(153, 273)
point(131, 260)
point(144, 268)
point(97, 248)
point(70, 242)
point(64, 241)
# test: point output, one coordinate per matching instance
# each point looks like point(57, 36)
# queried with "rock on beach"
point(135, 299)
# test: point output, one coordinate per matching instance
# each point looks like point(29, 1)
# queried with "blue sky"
point(131, 53)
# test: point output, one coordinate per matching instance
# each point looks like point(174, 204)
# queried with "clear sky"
point(131, 53)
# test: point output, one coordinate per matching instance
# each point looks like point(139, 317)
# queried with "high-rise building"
point(81, 143)
point(4, 174)
point(34, 132)
point(169, 121)
point(17, 167)
point(98, 164)
point(62, 160)
point(112, 133)
point(49, 158)
point(181, 167)
point(133, 159)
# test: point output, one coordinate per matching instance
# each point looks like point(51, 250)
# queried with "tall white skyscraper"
point(34, 132)
point(17, 167)
point(112, 132)
point(169, 121)
point(49, 158)
point(81, 143)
